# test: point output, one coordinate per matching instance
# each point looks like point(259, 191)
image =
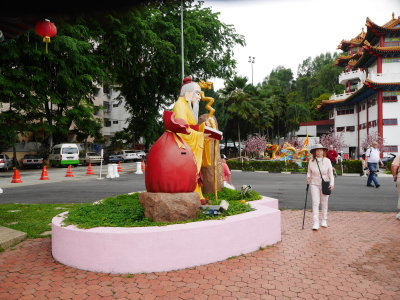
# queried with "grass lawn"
point(33, 219)
point(119, 211)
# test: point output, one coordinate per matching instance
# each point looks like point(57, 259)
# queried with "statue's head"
point(192, 92)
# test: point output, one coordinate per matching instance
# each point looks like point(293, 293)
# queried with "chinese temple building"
point(371, 75)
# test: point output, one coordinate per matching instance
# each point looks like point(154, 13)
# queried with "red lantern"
point(47, 30)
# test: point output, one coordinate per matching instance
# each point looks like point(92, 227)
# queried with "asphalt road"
point(350, 194)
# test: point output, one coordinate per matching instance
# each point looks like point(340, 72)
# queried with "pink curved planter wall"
point(156, 249)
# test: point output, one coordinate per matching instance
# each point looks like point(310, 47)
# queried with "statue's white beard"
point(195, 110)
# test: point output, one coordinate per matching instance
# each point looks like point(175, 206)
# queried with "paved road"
point(350, 194)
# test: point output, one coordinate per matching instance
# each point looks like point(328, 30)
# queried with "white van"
point(64, 154)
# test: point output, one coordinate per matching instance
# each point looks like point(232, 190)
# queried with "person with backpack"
point(372, 158)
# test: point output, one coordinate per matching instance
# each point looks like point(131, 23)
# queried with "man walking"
point(372, 158)
point(333, 157)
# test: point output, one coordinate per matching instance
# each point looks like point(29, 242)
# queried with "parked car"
point(129, 155)
point(32, 161)
point(90, 157)
point(387, 159)
point(140, 153)
point(113, 158)
point(5, 162)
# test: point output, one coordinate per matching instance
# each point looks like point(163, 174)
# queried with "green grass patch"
point(126, 211)
point(33, 219)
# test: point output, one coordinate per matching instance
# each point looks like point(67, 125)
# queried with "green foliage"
point(233, 195)
point(352, 166)
point(33, 219)
point(126, 211)
point(260, 165)
point(389, 166)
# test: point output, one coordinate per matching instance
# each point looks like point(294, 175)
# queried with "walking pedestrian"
point(333, 156)
point(372, 158)
point(319, 167)
point(396, 178)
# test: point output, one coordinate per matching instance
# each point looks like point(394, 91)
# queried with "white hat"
point(317, 146)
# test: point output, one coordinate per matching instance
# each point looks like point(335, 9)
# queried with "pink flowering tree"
point(372, 137)
point(336, 139)
point(255, 144)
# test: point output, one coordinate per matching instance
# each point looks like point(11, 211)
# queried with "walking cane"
point(305, 205)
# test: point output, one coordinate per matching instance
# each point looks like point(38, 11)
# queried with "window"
point(345, 110)
point(390, 149)
point(106, 106)
point(115, 105)
point(339, 129)
point(390, 99)
point(373, 123)
point(363, 126)
point(350, 128)
point(389, 121)
point(391, 60)
point(107, 123)
point(115, 122)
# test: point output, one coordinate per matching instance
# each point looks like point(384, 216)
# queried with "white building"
point(115, 116)
point(370, 103)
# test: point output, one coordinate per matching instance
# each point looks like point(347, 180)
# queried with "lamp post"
point(252, 61)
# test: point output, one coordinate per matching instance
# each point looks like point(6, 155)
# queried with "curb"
point(10, 237)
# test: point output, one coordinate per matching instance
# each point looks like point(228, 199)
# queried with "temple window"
point(350, 128)
point(389, 121)
point(391, 148)
point(339, 129)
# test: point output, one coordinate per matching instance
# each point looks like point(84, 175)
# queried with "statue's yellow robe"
point(196, 141)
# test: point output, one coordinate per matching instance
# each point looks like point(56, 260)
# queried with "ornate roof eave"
point(379, 50)
point(374, 30)
point(355, 42)
point(345, 59)
point(368, 84)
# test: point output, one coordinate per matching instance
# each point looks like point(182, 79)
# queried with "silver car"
point(5, 162)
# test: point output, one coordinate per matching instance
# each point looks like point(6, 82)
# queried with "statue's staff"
point(208, 85)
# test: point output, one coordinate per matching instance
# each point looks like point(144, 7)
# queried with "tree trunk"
point(240, 152)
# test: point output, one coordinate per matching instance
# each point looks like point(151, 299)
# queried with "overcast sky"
point(286, 32)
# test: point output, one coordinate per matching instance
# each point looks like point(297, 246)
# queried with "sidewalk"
point(357, 257)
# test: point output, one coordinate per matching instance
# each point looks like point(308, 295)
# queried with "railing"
point(346, 76)
point(340, 96)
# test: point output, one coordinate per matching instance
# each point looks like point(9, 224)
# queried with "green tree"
point(142, 53)
point(53, 91)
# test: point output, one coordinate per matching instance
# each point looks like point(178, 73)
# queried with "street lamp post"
point(252, 61)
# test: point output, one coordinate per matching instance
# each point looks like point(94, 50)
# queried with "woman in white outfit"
point(396, 178)
point(314, 179)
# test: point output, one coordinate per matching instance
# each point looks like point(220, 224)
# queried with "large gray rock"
point(170, 207)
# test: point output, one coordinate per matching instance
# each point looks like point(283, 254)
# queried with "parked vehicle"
point(387, 159)
point(90, 157)
point(32, 161)
point(64, 155)
point(140, 153)
point(129, 155)
point(113, 158)
point(5, 162)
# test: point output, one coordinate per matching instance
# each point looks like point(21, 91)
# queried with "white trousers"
point(317, 198)
point(398, 192)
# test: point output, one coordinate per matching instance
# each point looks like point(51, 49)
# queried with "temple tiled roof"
point(368, 85)
point(357, 41)
point(374, 30)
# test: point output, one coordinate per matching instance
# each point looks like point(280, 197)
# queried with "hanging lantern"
point(47, 30)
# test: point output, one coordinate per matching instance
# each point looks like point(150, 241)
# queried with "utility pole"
point(252, 61)
point(182, 45)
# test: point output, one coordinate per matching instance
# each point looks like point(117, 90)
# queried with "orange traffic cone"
point(143, 165)
point(119, 169)
point(90, 170)
point(16, 177)
point(44, 175)
point(69, 172)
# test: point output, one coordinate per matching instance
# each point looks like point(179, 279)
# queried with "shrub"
point(352, 166)
point(263, 165)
